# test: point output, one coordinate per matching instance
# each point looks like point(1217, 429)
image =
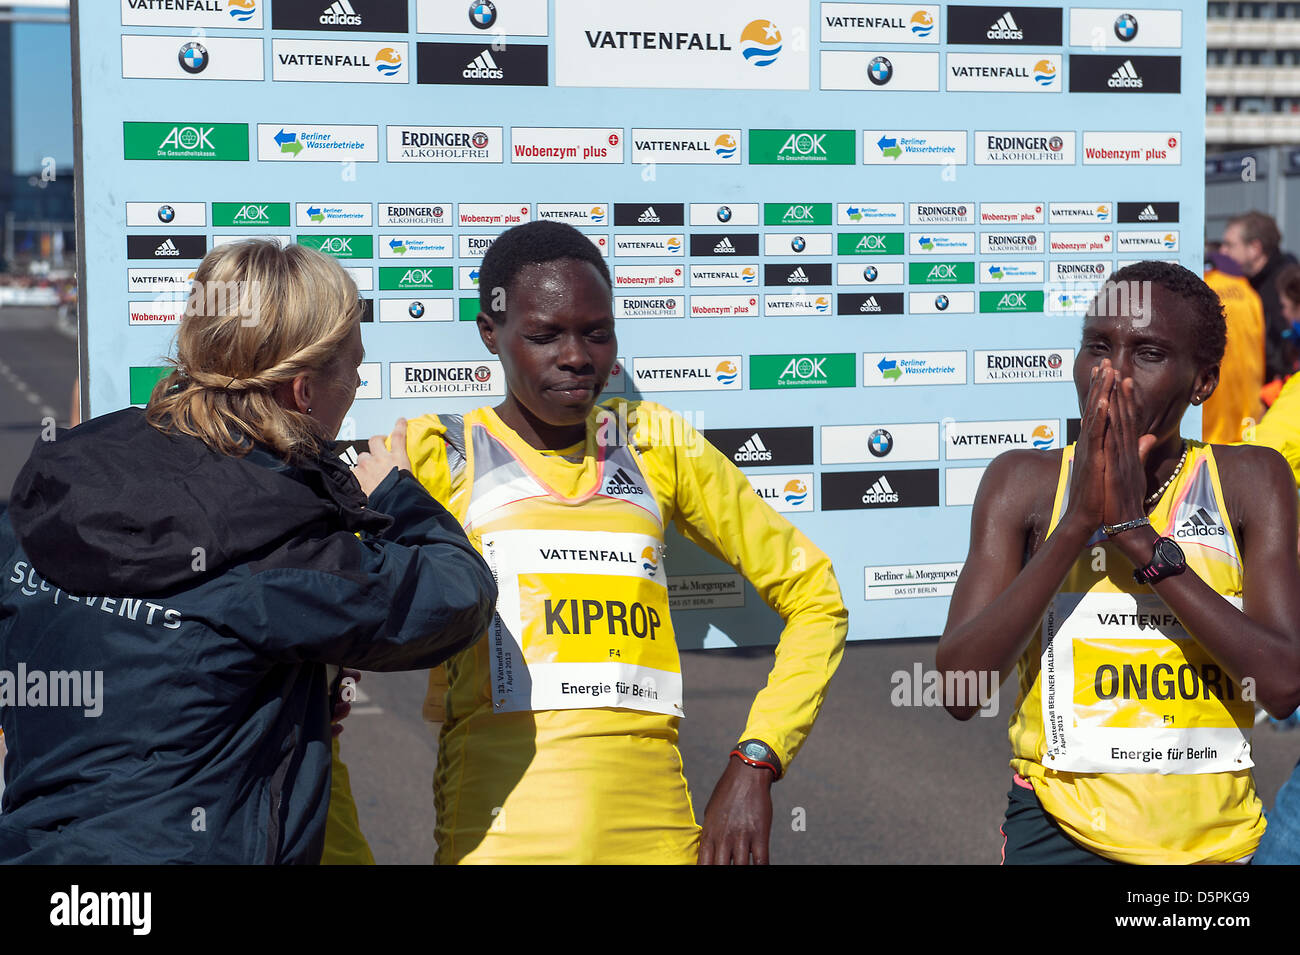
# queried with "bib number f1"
point(582, 621)
point(1125, 689)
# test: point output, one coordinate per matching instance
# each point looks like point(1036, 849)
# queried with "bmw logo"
point(798, 243)
point(941, 302)
point(483, 14)
point(881, 71)
point(166, 213)
point(724, 213)
point(415, 309)
point(880, 443)
point(193, 57)
point(1126, 27)
point(870, 273)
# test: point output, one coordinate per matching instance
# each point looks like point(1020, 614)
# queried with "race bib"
point(1126, 689)
point(582, 621)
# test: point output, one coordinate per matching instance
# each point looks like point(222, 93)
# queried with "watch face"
point(755, 750)
point(1167, 552)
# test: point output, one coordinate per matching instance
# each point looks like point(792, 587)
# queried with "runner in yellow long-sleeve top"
point(560, 731)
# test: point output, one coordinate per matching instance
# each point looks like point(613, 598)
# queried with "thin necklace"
point(1152, 498)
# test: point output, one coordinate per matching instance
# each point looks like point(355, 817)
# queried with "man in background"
point(1254, 242)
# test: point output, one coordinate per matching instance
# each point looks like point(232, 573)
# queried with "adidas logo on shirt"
point(724, 247)
point(483, 67)
point(649, 217)
point(340, 13)
point(752, 450)
point(167, 248)
point(1201, 524)
point(1148, 215)
point(797, 277)
point(620, 483)
point(881, 493)
point(1125, 77)
point(1005, 28)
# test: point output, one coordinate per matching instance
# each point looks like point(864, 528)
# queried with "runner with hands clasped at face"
point(1113, 573)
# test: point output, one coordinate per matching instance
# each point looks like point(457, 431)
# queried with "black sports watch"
point(1166, 561)
point(757, 753)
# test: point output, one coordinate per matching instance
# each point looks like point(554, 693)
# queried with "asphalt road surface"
point(875, 782)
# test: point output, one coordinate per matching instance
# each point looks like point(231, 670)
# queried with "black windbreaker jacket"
point(167, 616)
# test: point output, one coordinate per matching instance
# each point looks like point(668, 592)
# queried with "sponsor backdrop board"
point(862, 279)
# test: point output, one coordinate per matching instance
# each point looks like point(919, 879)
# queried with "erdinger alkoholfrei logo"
point(1043, 437)
point(922, 23)
point(725, 146)
point(880, 71)
point(388, 61)
point(482, 373)
point(193, 57)
point(760, 43)
point(648, 562)
point(1126, 27)
point(241, 10)
point(1044, 73)
point(726, 372)
point(796, 492)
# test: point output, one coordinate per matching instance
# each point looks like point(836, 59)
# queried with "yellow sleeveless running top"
point(560, 727)
point(1135, 740)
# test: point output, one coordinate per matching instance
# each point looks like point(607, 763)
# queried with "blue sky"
point(42, 95)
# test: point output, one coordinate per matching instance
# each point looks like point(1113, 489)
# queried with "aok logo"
point(871, 242)
point(1013, 300)
point(337, 245)
point(804, 369)
point(804, 144)
point(798, 213)
point(943, 272)
point(188, 137)
point(253, 212)
point(417, 277)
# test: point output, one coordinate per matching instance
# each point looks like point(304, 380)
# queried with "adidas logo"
point(1125, 77)
point(1005, 28)
point(1201, 524)
point(723, 247)
point(649, 217)
point(483, 67)
point(1148, 215)
point(881, 493)
point(340, 13)
point(167, 248)
point(752, 450)
point(620, 483)
point(797, 277)
point(870, 305)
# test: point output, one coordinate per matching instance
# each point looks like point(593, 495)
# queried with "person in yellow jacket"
point(1229, 415)
point(1146, 588)
point(559, 737)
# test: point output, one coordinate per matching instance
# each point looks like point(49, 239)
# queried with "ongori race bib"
point(1126, 689)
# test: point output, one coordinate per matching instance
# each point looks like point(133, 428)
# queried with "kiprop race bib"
point(582, 621)
point(1125, 689)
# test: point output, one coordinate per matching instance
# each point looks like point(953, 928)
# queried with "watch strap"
point(754, 752)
